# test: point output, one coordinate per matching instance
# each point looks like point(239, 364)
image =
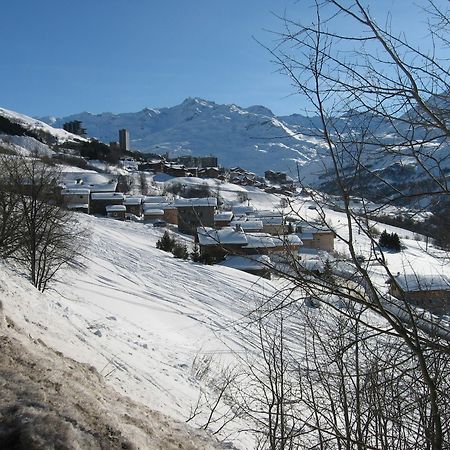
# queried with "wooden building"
point(195, 212)
point(100, 200)
point(76, 199)
point(431, 292)
point(116, 211)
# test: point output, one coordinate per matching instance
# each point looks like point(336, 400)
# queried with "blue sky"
point(62, 57)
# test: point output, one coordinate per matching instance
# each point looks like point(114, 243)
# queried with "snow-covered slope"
point(21, 133)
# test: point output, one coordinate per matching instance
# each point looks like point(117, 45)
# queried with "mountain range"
point(252, 137)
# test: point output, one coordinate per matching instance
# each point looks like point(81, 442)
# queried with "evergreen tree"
point(166, 242)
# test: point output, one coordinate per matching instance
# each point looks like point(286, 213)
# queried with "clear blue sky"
point(61, 57)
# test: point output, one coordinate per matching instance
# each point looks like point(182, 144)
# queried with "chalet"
point(153, 214)
point(317, 237)
point(195, 212)
point(218, 243)
point(116, 211)
point(76, 199)
point(100, 200)
point(170, 212)
point(133, 205)
point(430, 292)
point(223, 219)
point(274, 224)
point(255, 264)
point(242, 210)
point(248, 225)
point(234, 241)
point(208, 172)
point(176, 170)
point(152, 166)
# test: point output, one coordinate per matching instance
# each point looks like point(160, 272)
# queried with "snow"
point(411, 282)
point(107, 196)
point(192, 202)
point(144, 319)
point(33, 124)
point(112, 208)
point(250, 262)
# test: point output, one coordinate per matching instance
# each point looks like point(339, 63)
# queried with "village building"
point(76, 199)
point(133, 205)
point(248, 225)
point(274, 224)
point(223, 219)
point(151, 215)
point(234, 241)
point(171, 214)
point(156, 166)
point(195, 212)
point(218, 243)
point(116, 211)
point(100, 200)
point(240, 210)
point(169, 211)
point(317, 238)
point(431, 292)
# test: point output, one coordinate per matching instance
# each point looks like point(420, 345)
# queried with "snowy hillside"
point(158, 329)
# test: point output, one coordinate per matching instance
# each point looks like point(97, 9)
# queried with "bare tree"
point(377, 100)
point(46, 237)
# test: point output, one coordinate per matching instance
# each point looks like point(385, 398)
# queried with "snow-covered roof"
point(248, 225)
point(306, 236)
point(76, 191)
point(132, 201)
point(103, 187)
point(191, 202)
point(291, 239)
point(271, 220)
point(154, 199)
point(413, 282)
point(224, 215)
point(107, 196)
point(250, 262)
point(111, 208)
point(242, 210)
point(209, 236)
point(163, 205)
point(260, 240)
point(153, 212)
point(267, 213)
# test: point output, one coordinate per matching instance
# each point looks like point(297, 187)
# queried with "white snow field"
point(143, 319)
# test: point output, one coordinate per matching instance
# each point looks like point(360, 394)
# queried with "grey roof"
point(224, 215)
point(250, 262)
point(191, 202)
point(132, 201)
point(110, 208)
point(107, 196)
point(209, 236)
point(413, 282)
point(76, 191)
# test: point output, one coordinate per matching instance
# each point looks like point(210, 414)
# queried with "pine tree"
point(166, 242)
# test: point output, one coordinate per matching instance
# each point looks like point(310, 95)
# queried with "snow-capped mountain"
point(252, 137)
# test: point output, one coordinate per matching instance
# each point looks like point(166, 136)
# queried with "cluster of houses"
point(207, 167)
point(242, 237)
